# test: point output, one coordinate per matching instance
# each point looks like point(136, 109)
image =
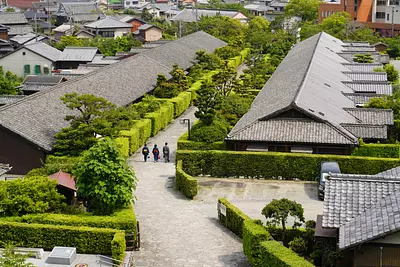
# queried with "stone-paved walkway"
point(175, 231)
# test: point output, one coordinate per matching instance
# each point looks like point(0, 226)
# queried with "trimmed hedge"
point(253, 235)
point(184, 182)
point(144, 128)
point(274, 254)
point(161, 118)
point(185, 144)
point(234, 217)
point(118, 246)
point(85, 239)
point(377, 150)
point(181, 103)
point(133, 137)
point(244, 53)
point(121, 220)
point(273, 164)
point(55, 163)
point(123, 145)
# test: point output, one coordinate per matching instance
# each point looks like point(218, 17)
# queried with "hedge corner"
point(118, 246)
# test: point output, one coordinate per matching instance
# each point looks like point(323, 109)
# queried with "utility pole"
point(393, 21)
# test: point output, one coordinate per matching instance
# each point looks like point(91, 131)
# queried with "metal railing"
point(107, 261)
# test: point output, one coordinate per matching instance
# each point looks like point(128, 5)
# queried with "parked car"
point(326, 168)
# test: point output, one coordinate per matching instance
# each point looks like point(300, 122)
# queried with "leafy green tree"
point(233, 108)
point(177, 84)
point(363, 58)
point(10, 258)
point(67, 41)
point(207, 61)
point(392, 73)
point(225, 81)
point(227, 52)
point(336, 24)
point(298, 245)
point(309, 29)
point(278, 212)
point(104, 178)
point(207, 102)
point(258, 33)
point(128, 11)
point(307, 10)
point(222, 27)
point(9, 82)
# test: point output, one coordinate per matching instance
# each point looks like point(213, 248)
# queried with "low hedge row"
point(181, 103)
point(234, 217)
point(120, 220)
point(274, 254)
point(274, 164)
point(377, 150)
point(144, 128)
point(161, 118)
point(118, 246)
point(123, 145)
point(55, 163)
point(184, 182)
point(185, 144)
point(253, 235)
point(85, 239)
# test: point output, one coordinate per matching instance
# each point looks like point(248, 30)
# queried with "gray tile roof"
point(147, 26)
point(356, 44)
point(19, 29)
point(367, 131)
point(21, 39)
point(108, 23)
point(9, 99)
point(189, 15)
point(44, 50)
point(35, 87)
point(44, 80)
point(372, 116)
point(367, 76)
point(305, 131)
point(379, 220)
point(88, 17)
point(380, 88)
point(72, 53)
point(349, 56)
point(359, 48)
point(39, 116)
point(349, 195)
point(361, 99)
point(10, 18)
point(362, 67)
point(81, 8)
point(391, 172)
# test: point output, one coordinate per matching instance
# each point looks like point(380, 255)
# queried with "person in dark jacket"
point(145, 152)
point(156, 153)
point(165, 150)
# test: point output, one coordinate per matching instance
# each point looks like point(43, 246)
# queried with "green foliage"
point(392, 73)
point(124, 219)
point(133, 139)
point(377, 150)
point(237, 164)
point(207, 61)
point(36, 172)
point(278, 211)
point(225, 80)
point(10, 258)
point(227, 52)
point(233, 108)
point(144, 127)
point(128, 11)
point(10, 9)
point(8, 82)
point(36, 194)
point(274, 254)
point(387, 102)
point(298, 245)
point(253, 235)
point(177, 84)
point(336, 24)
point(234, 218)
point(309, 29)
point(307, 10)
point(212, 133)
point(55, 163)
point(288, 235)
point(161, 118)
point(123, 146)
point(223, 27)
point(185, 183)
point(181, 103)
point(85, 239)
point(148, 104)
point(363, 58)
point(185, 144)
point(207, 102)
point(118, 246)
point(104, 178)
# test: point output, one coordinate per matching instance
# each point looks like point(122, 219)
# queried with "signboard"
point(222, 209)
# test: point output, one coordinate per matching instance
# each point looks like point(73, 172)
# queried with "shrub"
point(292, 233)
point(161, 118)
point(274, 164)
point(184, 182)
point(253, 235)
point(55, 163)
point(134, 139)
point(377, 150)
point(123, 146)
point(85, 239)
point(298, 245)
point(195, 86)
point(234, 217)
point(274, 254)
point(118, 246)
point(144, 128)
point(185, 144)
point(36, 172)
point(181, 103)
point(215, 132)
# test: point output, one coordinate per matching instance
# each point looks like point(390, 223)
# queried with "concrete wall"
point(15, 62)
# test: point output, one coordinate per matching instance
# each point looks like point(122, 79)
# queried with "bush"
point(185, 144)
point(181, 103)
point(161, 118)
point(123, 146)
point(118, 246)
point(133, 137)
point(184, 182)
point(274, 254)
point(195, 86)
point(253, 235)
point(36, 172)
point(85, 239)
point(144, 128)
point(274, 164)
point(215, 132)
point(292, 233)
point(298, 245)
point(234, 217)
point(124, 219)
point(55, 163)
point(377, 150)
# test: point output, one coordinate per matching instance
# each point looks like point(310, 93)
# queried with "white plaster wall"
point(15, 62)
point(153, 34)
point(121, 32)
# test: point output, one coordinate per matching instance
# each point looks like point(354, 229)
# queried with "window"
point(27, 69)
point(381, 3)
point(23, 53)
point(107, 34)
point(46, 70)
point(329, 14)
point(380, 15)
point(38, 70)
point(127, 3)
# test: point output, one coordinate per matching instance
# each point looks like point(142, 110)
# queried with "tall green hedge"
point(377, 150)
point(144, 128)
point(234, 217)
point(161, 118)
point(181, 103)
point(85, 239)
point(253, 235)
point(118, 246)
point(134, 139)
point(121, 220)
point(55, 163)
point(273, 164)
point(274, 254)
point(184, 182)
point(123, 145)
point(185, 144)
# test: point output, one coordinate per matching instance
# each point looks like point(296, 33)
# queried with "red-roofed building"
point(66, 185)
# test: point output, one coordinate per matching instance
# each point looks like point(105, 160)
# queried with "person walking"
point(156, 153)
point(165, 150)
point(145, 152)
